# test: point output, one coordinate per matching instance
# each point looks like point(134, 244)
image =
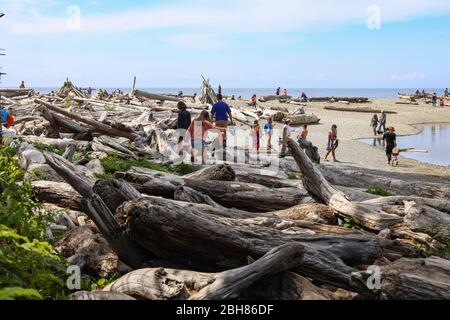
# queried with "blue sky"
point(246, 43)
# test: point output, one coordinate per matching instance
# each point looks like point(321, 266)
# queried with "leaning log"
point(98, 211)
point(369, 216)
point(106, 129)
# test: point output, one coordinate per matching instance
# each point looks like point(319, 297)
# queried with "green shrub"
point(277, 185)
point(18, 210)
point(379, 191)
point(29, 268)
point(292, 176)
point(47, 147)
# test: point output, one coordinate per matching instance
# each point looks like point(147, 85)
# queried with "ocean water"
point(295, 92)
point(433, 138)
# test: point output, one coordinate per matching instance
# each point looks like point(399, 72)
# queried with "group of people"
point(6, 119)
point(379, 123)
point(285, 92)
point(389, 137)
point(219, 119)
point(434, 99)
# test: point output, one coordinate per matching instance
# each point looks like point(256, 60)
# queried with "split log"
point(366, 215)
point(311, 151)
point(412, 279)
point(229, 194)
point(190, 195)
point(109, 130)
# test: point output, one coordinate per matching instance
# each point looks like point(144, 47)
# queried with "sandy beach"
point(353, 126)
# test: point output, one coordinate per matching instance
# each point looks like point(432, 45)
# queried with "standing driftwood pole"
point(134, 86)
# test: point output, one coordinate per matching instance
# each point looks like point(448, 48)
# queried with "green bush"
point(29, 268)
point(292, 176)
point(47, 147)
point(18, 210)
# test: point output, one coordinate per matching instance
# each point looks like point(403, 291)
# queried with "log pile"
point(227, 231)
point(69, 90)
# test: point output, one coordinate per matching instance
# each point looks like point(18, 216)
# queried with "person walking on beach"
point(256, 136)
point(278, 91)
point(304, 98)
point(183, 123)
point(221, 113)
point(268, 129)
point(446, 92)
point(434, 99)
point(219, 90)
point(287, 130)
point(254, 101)
point(22, 85)
point(332, 143)
point(374, 124)
point(391, 142)
point(382, 121)
point(198, 132)
point(285, 92)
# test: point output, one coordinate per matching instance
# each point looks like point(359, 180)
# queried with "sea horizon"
point(372, 93)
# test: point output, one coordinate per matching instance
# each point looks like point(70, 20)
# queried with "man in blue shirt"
point(221, 113)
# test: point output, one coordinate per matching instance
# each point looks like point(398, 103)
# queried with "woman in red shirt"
point(198, 132)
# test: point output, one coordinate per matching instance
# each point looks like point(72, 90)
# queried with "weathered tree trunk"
point(109, 130)
point(152, 96)
point(222, 172)
point(366, 215)
point(229, 194)
point(200, 239)
point(412, 279)
point(58, 193)
point(352, 177)
point(99, 213)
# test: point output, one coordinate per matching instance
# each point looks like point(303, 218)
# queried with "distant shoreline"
point(372, 93)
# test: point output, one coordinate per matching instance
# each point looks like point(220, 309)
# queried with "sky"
point(237, 43)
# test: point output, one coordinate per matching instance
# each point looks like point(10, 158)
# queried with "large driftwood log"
point(352, 177)
point(152, 96)
point(90, 251)
point(97, 210)
point(229, 194)
point(199, 239)
point(58, 193)
point(222, 172)
point(169, 284)
point(229, 284)
point(106, 129)
point(369, 216)
point(412, 279)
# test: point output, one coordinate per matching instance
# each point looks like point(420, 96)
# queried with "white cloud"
point(412, 76)
point(229, 16)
